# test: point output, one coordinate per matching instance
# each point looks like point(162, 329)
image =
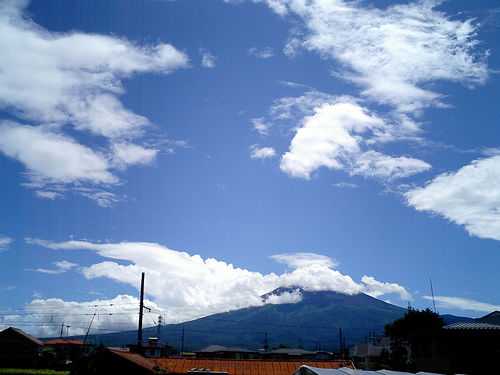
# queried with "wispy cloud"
point(5, 242)
point(393, 52)
point(60, 87)
point(261, 126)
point(207, 59)
point(61, 267)
point(261, 53)
point(187, 286)
point(460, 303)
point(468, 197)
point(299, 260)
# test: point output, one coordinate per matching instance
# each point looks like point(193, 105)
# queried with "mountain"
point(313, 322)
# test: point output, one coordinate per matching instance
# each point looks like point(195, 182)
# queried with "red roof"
point(231, 366)
point(64, 342)
point(244, 367)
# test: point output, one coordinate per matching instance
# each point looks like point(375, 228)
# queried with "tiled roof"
point(290, 351)
point(220, 348)
point(63, 342)
point(243, 367)
point(138, 359)
point(231, 366)
point(27, 335)
point(472, 326)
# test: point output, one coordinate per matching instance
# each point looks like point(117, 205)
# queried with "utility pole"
point(141, 307)
point(266, 345)
point(341, 346)
point(62, 327)
point(182, 347)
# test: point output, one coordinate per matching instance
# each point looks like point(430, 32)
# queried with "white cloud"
point(375, 164)
point(61, 267)
point(462, 304)
point(5, 242)
point(376, 288)
point(262, 152)
point(299, 260)
point(345, 185)
point(188, 286)
point(125, 154)
point(261, 126)
point(335, 136)
point(60, 82)
point(52, 157)
point(261, 53)
point(468, 197)
point(101, 197)
point(207, 59)
point(47, 194)
point(392, 53)
point(118, 313)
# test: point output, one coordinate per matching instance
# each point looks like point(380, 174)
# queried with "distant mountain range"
point(313, 323)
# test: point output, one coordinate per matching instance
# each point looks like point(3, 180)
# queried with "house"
point(67, 350)
point(290, 354)
point(308, 370)
point(218, 351)
point(18, 348)
point(154, 348)
point(469, 347)
point(365, 355)
point(123, 361)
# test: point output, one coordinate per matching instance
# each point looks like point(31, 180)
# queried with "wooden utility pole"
point(341, 346)
point(141, 307)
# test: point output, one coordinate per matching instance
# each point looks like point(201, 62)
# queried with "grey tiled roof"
point(472, 325)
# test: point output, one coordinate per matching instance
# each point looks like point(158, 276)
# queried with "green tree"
point(403, 330)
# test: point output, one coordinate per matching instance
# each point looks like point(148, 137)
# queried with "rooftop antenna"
point(432, 293)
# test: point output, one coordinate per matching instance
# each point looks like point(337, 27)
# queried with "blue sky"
point(226, 148)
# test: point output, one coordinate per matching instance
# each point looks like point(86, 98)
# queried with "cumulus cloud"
point(207, 59)
point(189, 287)
point(115, 314)
point(462, 304)
point(5, 242)
point(262, 152)
point(392, 53)
point(468, 197)
point(57, 84)
point(61, 267)
point(336, 135)
point(376, 288)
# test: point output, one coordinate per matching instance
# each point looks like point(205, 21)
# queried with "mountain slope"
point(313, 322)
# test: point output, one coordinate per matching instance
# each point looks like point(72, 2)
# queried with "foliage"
point(47, 358)
point(402, 331)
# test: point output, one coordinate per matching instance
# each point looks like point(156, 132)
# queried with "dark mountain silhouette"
point(313, 323)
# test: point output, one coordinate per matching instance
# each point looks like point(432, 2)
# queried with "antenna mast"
point(432, 293)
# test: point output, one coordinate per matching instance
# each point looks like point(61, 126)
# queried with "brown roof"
point(244, 367)
point(138, 359)
point(63, 342)
point(22, 333)
point(231, 366)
